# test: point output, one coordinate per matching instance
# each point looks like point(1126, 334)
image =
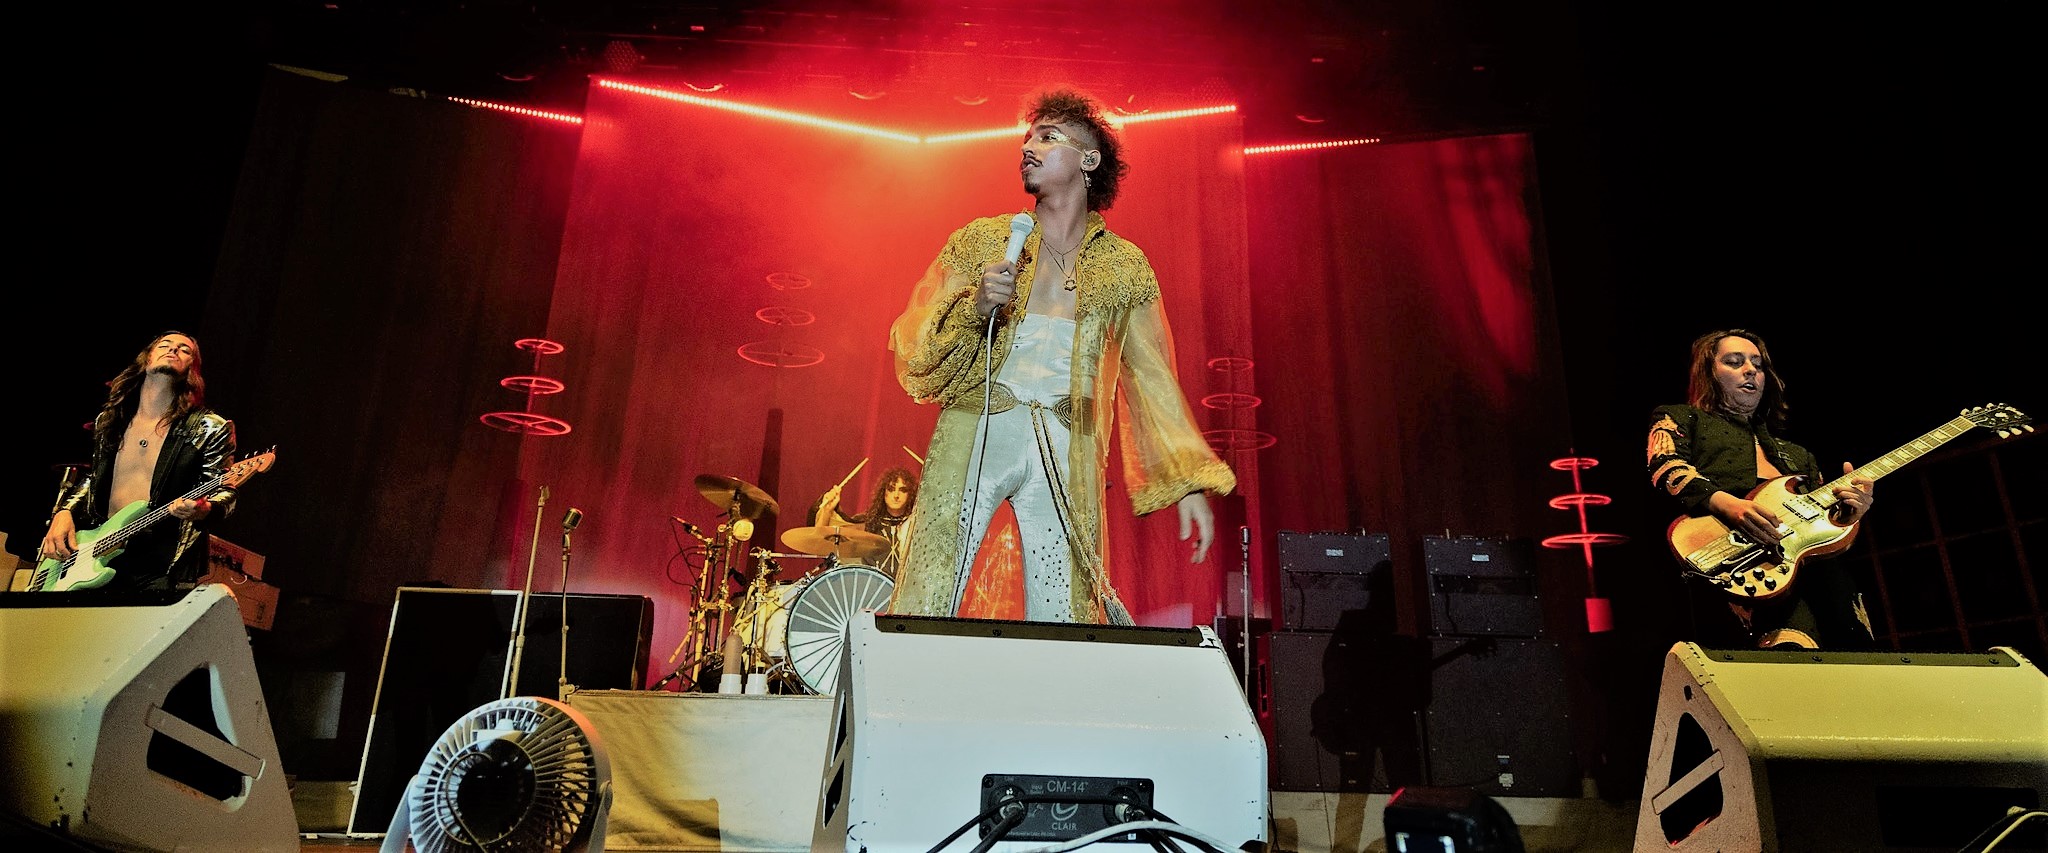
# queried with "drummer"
point(888, 514)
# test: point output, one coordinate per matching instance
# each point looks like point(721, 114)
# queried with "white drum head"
point(816, 620)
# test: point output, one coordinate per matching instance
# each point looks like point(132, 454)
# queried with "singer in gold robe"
point(1073, 334)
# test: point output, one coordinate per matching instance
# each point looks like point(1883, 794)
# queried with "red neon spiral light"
point(1598, 617)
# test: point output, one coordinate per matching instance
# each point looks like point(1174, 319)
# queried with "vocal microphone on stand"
point(563, 687)
point(569, 522)
point(690, 528)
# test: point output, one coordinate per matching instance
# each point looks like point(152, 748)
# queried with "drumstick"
point(849, 474)
point(913, 453)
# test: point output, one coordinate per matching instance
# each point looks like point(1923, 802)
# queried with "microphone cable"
point(971, 489)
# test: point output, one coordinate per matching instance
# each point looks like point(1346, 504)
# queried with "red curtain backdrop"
point(1390, 302)
point(682, 220)
point(1407, 353)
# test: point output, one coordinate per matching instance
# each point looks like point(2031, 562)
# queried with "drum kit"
point(791, 631)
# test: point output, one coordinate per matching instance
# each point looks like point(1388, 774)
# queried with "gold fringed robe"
point(1123, 346)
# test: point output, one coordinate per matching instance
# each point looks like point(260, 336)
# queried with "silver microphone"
point(1020, 231)
point(570, 521)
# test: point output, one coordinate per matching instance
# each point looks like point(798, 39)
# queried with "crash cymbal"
point(844, 542)
point(723, 492)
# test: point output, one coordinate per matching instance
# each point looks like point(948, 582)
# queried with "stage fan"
point(519, 774)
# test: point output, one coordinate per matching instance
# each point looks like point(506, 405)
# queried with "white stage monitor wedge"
point(134, 721)
point(944, 726)
point(1872, 752)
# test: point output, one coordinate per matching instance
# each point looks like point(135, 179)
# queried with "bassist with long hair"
point(154, 442)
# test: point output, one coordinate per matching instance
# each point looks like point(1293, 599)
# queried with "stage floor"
point(1308, 823)
point(709, 772)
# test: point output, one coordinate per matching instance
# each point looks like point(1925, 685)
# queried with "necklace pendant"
point(1071, 284)
point(144, 442)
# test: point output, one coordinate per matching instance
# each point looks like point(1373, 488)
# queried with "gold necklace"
point(1058, 259)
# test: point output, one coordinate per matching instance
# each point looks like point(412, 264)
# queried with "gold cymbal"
point(745, 499)
point(843, 541)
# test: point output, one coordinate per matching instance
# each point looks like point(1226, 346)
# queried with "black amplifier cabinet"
point(1482, 587)
point(1498, 720)
point(1324, 575)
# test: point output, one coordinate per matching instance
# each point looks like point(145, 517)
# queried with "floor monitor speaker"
point(947, 726)
point(1878, 752)
point(139, 726)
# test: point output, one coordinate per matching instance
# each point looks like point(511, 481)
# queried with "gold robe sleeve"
point(939, 339)
point(1165, 454)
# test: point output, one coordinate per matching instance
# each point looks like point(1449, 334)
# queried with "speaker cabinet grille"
point(1346, 711)
point(1498, 720)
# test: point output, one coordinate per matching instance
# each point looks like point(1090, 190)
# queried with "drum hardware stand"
point(711, 601)
point(755, 605)
point(707, 614)
point(754, 611)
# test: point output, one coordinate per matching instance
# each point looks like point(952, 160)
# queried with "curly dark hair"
point(878, 504)
point(1703, 392)
point(123, 401)
point(1068, 105)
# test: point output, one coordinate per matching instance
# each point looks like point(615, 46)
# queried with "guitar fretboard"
point(1893, 461)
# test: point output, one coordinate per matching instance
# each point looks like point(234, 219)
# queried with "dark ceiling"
point(1317, 67)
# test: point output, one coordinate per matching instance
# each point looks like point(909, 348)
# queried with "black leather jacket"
point(198, 449)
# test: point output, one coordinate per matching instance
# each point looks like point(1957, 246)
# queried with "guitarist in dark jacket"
point(1709, 454)
point(153, 441)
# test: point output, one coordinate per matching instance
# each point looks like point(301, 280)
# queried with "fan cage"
point(566, 773)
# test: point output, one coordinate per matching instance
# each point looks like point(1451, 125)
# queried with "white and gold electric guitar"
point(1745, 569)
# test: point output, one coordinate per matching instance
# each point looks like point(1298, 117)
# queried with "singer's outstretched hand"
point(998, 287)
point(1195, 512)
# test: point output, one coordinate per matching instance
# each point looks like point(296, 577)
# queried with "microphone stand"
point(562, 686)
point(1244, 634)
point(511, 678)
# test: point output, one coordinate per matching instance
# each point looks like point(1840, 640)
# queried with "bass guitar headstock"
point(250, 466)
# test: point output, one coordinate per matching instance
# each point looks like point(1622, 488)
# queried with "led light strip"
point(764, 112)
point(850, 127)
point(524, 111)
point(1307, 146)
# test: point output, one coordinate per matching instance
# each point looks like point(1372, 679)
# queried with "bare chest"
point(135, 464)
point(1048, 295)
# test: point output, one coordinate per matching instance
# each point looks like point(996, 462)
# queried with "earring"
point(1087, 180)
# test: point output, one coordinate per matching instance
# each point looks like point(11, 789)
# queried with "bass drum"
point(760, 625)
point(814, 621)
